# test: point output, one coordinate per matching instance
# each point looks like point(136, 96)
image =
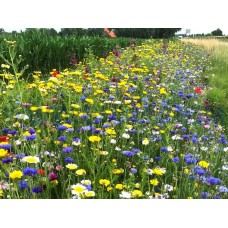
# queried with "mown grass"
point(217, 76)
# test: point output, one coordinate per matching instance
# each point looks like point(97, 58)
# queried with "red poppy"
point(41, 172)
point(198, 90)
point(4, 139)
point(85, 76)
point(54, 74)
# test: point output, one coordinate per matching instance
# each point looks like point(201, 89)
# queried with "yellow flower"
point(90, 194)
point(118, 171)
point(16, 174)
point(186, 170)
point(158, 171)
point(71, 166)
point(163, 91)
point(145, 141)
point(55, 182)
point(204, 164)
point(136, 193)
point(31, 159)
point(78, 189)
point(90, 101)
point(80, 172)
point(104, 182)
point(154, 182)
point(109, 188)
point(137, 185)
point(1, 192)
point(3, 153)
point(119, 186)
point(33, 108)
point(94, 138)
point(171, 114)
point(110, 131)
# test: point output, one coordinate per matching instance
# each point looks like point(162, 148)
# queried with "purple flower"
point(52, 176)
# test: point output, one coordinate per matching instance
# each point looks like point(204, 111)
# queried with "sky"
point(198, 16)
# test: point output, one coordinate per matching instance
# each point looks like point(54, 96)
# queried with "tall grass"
point(217, 76)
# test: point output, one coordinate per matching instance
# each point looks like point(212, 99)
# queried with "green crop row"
point(43, 52)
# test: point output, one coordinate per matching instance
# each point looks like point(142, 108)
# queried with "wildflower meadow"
point(134, 124)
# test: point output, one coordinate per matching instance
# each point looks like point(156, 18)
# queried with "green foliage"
point(146, 32)
point(44, 49)
point(217, 32)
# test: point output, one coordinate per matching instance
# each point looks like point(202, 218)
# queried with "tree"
point(217, 32)
point(146, 32)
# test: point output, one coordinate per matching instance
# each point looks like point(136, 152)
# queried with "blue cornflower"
point(223, 189)
point(111, 117)
point(67, 150)
point(12, 132)
point(7, 160)
point(205, 195)
point(194, 140)
point(157, 158)
point(5, 146)
point(69, 160)
point(135, 151)
point(176, 159)
point(164, 149)
point(30, 171)
point(190, 161)
point(31, 131)
point(30, 137)
point(61, 128)
point(128, 153)
point(62, 138)
point(96, 121)
point(213, 180)
point(217, 197)
point(133, 170)
point(70, 129)
point(82, 98)
point(198, 170)
point(36, 190)
point(22, 184)
point(5, 130)
point(19, 156)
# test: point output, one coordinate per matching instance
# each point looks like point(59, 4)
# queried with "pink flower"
point(207, 126)
point(58, 167)
point(52, 176)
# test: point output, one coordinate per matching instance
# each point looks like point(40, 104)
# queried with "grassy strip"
point(217, 76)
